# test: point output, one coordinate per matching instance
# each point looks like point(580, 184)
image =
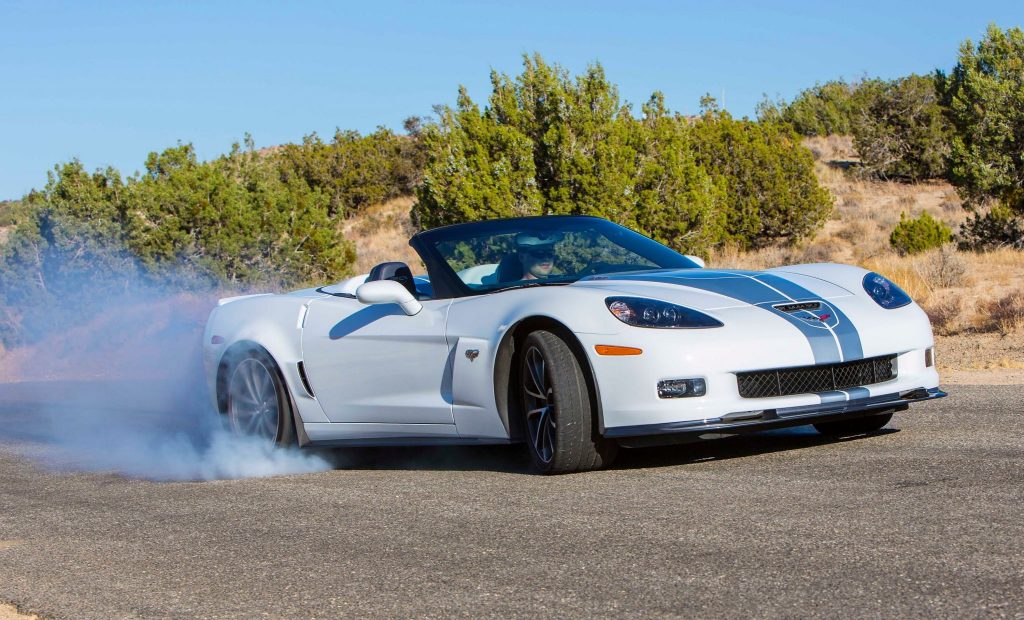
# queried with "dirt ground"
point(10, 612)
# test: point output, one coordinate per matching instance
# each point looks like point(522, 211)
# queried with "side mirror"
point(388, 292)
point(696, 259)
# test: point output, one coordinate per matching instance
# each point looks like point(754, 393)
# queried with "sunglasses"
point(541, 253)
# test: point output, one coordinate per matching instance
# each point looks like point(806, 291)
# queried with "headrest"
point(397, 271)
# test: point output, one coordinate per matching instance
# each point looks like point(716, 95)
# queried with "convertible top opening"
point(483, 257)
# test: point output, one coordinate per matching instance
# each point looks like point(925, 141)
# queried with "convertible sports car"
point(571, 334)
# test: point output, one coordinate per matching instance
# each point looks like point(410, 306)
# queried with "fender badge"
point(472, 354)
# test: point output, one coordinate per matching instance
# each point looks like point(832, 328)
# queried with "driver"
point(536, 253)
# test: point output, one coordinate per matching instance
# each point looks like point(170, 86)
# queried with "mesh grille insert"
point(812, 379)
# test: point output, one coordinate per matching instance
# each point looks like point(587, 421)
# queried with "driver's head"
point(536, 254)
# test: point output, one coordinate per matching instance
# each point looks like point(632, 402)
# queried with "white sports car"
point(571, 334)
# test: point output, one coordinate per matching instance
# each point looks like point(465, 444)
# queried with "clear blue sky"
point(108, 82)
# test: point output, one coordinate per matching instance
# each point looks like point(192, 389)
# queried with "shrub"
point(944, 267)
point(993, 229)
point(944, 314)
point(355, 171)
point(919, 234)
point(899, 130)
point(183, 222)
point(551, 144)
point(984, 100)
point(1005, 314)
point(773, 195)
point(232, 220)
point(822, 110)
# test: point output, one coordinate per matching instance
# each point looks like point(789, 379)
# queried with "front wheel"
point(258, 404)
point(561, 433)
point(855, 426)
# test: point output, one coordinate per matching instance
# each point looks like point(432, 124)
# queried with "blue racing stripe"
point(858, 392)
point(742, 288)
point(832, 397)
point(845, 330)
point(746, 288)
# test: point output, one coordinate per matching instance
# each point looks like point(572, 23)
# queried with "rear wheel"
point(258, 403)
point(855, 426)
point(561, 433)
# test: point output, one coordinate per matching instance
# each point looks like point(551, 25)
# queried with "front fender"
point(479, 331)
point(274, 322)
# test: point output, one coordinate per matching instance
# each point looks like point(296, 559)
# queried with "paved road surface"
point(923, 520)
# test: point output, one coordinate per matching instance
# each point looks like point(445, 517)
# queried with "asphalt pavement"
point(924, 519)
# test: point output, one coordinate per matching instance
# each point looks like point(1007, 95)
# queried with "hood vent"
point(804, 305)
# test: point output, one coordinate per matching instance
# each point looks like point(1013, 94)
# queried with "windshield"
point(494, 255)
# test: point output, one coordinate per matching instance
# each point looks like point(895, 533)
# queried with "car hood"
point(713, 289)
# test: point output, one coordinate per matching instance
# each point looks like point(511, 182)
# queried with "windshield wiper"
point(532, 284)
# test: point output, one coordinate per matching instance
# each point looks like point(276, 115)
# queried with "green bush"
point(236, 219)
point(899, 129)
point(919, 234)
point(997, 228)
point(355, 171)
point(772, 194)
point(984, 101)
point(823, 110)
point(551, 144)
point(183, 224)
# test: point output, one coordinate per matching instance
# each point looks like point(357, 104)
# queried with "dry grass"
point(381, 234)
point(945, 315)
point(1005, 314)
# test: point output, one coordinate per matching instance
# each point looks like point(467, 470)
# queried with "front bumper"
point(766, 419)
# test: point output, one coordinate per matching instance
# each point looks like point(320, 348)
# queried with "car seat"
point(397, 271)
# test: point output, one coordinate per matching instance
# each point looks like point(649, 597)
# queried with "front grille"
point(811, 379)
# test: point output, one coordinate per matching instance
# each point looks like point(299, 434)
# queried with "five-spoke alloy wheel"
point(541, 412)
point(257, 404)
point(558, 411)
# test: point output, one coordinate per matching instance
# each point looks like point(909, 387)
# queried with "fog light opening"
point(682, 388)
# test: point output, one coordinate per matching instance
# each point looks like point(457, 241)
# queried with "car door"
point(374, 363)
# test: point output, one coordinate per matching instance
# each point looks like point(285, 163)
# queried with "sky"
point(109, 82)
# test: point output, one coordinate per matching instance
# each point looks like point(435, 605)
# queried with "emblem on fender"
point(472, 354)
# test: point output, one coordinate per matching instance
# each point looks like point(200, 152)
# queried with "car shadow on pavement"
point(740, 446)
point(513, 458)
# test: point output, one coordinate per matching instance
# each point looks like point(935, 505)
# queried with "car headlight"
point(885, 292)
point(640, 312)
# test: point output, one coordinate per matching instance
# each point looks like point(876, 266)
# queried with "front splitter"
point(767, 419)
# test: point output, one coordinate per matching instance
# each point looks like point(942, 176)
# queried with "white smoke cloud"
point(123, 392)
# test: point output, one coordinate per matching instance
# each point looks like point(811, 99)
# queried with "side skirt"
point(374, 434)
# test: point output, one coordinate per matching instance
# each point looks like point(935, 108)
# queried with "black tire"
point(558, 415)
point(262, 401)
point(856, 426)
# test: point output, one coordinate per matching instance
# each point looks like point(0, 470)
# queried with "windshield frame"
point(447, 284)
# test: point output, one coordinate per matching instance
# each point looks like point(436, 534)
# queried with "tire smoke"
point(124, 392)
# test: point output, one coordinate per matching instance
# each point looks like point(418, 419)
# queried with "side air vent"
point(305, 380)
point(814, 379)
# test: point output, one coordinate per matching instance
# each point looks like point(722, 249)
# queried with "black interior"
point(510, 268)
point(397, 271)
